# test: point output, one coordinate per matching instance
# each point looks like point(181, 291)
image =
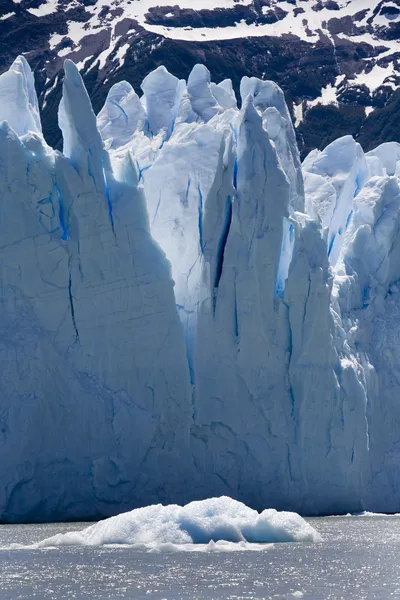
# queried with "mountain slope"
point(336, 60)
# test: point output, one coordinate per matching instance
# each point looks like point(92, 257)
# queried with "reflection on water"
point(358, 560)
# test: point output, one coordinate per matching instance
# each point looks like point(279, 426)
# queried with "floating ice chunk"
point(201, 522)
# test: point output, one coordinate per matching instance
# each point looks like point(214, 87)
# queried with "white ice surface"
point(201, 522)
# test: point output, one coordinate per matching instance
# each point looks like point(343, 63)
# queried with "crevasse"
point(187, 311)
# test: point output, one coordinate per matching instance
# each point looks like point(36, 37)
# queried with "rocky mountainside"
point(338, 61)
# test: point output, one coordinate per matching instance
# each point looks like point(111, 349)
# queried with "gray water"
point(359, 559)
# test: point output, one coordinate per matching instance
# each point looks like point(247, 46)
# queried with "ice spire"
point(121, 116)
point(82, 142)
point(269, 100)
point(160, 90)
point(18, 100)
point(201, 96)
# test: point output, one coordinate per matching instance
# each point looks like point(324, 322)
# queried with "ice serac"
point(199, 88)
point(270, 101)
point(388, 155)
point(224, 94)
point(367, 288)
point(324, 385)
point(265, 355)
point(186, 312)
point(121, 116)
point(240, 325)
point(342, 165)
point(160, 100)
point(18, 100)
point(95, 389)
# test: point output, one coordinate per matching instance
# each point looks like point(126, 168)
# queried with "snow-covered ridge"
point(186, 311)
point(307, 20)
point(100, 33)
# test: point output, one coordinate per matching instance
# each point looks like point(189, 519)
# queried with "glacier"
point(187, 311)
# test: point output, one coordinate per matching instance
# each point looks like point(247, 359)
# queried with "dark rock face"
point(338, 67)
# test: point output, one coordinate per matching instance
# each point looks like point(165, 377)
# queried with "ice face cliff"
point(186, 311)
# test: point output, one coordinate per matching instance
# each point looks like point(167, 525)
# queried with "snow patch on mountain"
point(310, 21)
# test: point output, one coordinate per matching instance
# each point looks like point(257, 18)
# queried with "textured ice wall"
point(95, 398)
point(188, 313)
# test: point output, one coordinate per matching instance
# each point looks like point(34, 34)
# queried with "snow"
point(328, 96)
point(64, 51)
point(49, 90)
point(7, 16)
point(205, 522)
point(189, 312)
point(299, 114)
point(121, 53)
point(376, 77)
point(310, 26)
point(54, 40)
point(47, 8)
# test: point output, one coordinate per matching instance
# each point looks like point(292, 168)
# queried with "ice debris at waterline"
point(175, 527)
point(188, 313)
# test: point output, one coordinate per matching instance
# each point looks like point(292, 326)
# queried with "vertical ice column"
point(18, 100)
point(328, 398)
point(269, 100)
point(244, 435)
point(388, 155)
point(176, 187)
point(367, 297)
point(199, 89)
point(162, 92)
point(121, 116)
point(342, 164)
point(216, 218)
point(224, 94)
point(82, 143)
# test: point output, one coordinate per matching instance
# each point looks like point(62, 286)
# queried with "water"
point(359, 559)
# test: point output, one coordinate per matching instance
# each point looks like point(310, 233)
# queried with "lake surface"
point(359, 559)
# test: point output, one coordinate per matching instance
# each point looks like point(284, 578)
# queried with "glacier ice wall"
point(187, 311)
point(94, 399)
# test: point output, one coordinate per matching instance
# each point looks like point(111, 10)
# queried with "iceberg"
point(201, 523)
point(187, 311)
